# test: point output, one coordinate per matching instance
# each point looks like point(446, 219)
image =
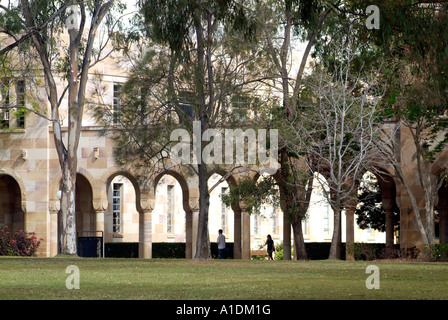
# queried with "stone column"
point(99, 220)
point(99, 225)
point(389, 227)
point(237, 234)
point(100, 207)
point(145, 241)
point(245, 226)
point(388, 207)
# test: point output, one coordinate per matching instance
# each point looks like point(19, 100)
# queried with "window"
point(4, 114)
point(117, 201)
point(21, 103)
point(4, 119)
point(170, 206)
point(185, 109)
point(117, 103)
point(240, 107)
point(223, 211)
point(305, 226)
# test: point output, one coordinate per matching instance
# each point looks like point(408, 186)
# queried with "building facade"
point(110, 199)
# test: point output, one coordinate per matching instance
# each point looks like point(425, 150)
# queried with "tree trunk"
point(203, 241)
point(299, 241)
point(70, 163)
point(68, 211)
point(335, 249)
point(294, 202)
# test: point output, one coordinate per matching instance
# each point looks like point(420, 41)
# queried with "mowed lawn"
point(108, 279)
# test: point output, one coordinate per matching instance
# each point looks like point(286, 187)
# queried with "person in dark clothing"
point(271, 247)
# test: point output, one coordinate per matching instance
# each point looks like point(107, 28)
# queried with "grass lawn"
point(107, 279)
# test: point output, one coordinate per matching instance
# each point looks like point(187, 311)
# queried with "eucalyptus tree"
point(413, 37)
point(194, 78)
point(38, 27)
point(290, 26)
point(338, 125)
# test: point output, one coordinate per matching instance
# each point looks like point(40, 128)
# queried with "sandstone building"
point(110, 199)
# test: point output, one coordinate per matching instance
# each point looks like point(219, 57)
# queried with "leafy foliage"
point(252, 193)
point(370, 212)
point(18, 243)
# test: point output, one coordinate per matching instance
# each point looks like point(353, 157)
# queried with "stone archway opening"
point(377, 212)
point(122, 215)
point(221, 216)
point(11, 213)
point(168, 216)
point(173, 221)
point(267, 217)
point(317, 225)
point(85, 217)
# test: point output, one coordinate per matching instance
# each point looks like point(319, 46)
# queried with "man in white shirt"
point(221, 244)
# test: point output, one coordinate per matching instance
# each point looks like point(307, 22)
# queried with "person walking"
point(221, 244)
point(271, 247)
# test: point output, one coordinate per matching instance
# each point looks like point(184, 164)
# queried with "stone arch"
point(19, 181)
point(273, 211)
point(221, 216)
point(101, 192)
point(92, 181)
point(189, 206)
point(12, 203)
point(85, 218)
point(388, 188)
point(144, 203)
point(183, 184)
point(55, 184)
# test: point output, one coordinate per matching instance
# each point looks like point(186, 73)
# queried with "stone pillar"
point(349, 231)
point(389, 227)
point(145, 241)
point(237, 234)
point(99, 220)
point(100, 207)
point(388, 208)
point(245, 226)
point(99, 225)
